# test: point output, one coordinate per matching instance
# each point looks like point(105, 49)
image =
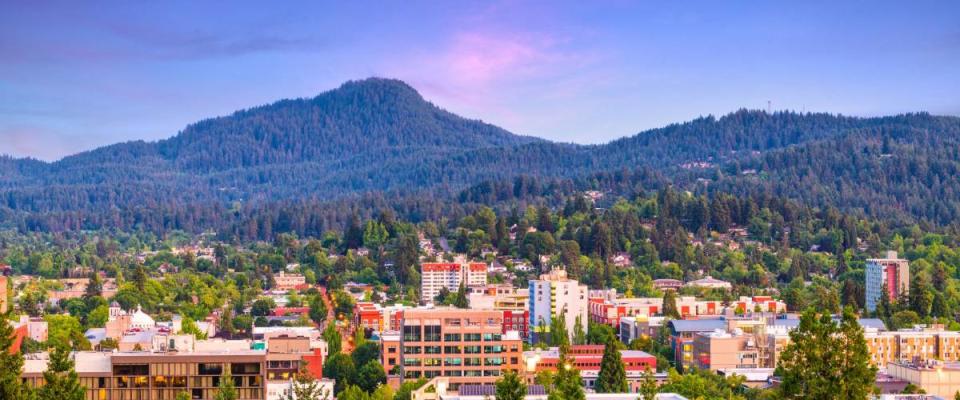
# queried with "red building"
point(367, 316)
point(314, 363)
point(588, 358)
point(516, 321)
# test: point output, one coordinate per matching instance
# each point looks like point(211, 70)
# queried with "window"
point(431, 333)
point(493, 349)
point(131, 369)
point(411, 349)
point(210, 369)
point(471, 337)
point(411, 333)
point(453, 349)
point(451, 337)
point(471, 349)
point(245, 369)
point(431, 349)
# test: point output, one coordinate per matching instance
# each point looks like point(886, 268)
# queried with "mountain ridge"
point(382, 135)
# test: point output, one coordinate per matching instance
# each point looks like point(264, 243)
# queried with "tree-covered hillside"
point(378, 140)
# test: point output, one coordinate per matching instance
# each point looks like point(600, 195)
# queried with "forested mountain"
point(378, 143)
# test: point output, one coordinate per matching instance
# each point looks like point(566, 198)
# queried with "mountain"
point(380, 136)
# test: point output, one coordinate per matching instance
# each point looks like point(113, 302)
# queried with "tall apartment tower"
point(436, 276)
point(554, 293)
point(890, 271)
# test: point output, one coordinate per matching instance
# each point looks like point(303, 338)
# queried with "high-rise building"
point(436, 276)
point(890, 272)
point(554, 294)
point(465, 345)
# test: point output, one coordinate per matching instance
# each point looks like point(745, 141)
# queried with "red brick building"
point(587, 358)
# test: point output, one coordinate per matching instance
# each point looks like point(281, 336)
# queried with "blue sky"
point(77, 75)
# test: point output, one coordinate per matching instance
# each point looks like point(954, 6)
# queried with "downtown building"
point(436, 276)
point(260, 370)
point(891, 273)
point(463, 345)
point(552, 295)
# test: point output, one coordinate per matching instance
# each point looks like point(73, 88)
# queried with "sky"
point(78, 75)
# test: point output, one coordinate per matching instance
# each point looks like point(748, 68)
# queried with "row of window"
point(433, 374)
point(432, 334)
point(454, 362)
point(125, 382)
point(455, 349)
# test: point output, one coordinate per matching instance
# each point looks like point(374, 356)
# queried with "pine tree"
point(61, 380)
point(567, 384)
point(579, 334)
point(670, 305)
point(884, 309)
point(226, 390)
point(461, 300)
point(612, 377)
point(510, 387)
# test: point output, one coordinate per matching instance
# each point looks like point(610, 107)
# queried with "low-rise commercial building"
point(161, 376)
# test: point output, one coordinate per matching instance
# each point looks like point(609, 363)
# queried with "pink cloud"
point(478, 58)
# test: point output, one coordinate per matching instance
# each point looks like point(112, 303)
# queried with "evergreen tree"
point(226, 390)
point(461, 300)
point(567, 384)
point(612, 377)
point(826, 360)
point(94, 287)
point(884, 309)
point(920, 297)
point(670, 305)
point(510, 387)
point(939, 307)
point(579, 334)
point(558, 330)
point(61, 380)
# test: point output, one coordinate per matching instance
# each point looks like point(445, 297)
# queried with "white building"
point(710, 282)
point(436, 276)
point(890, 271)
point(554, 293)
